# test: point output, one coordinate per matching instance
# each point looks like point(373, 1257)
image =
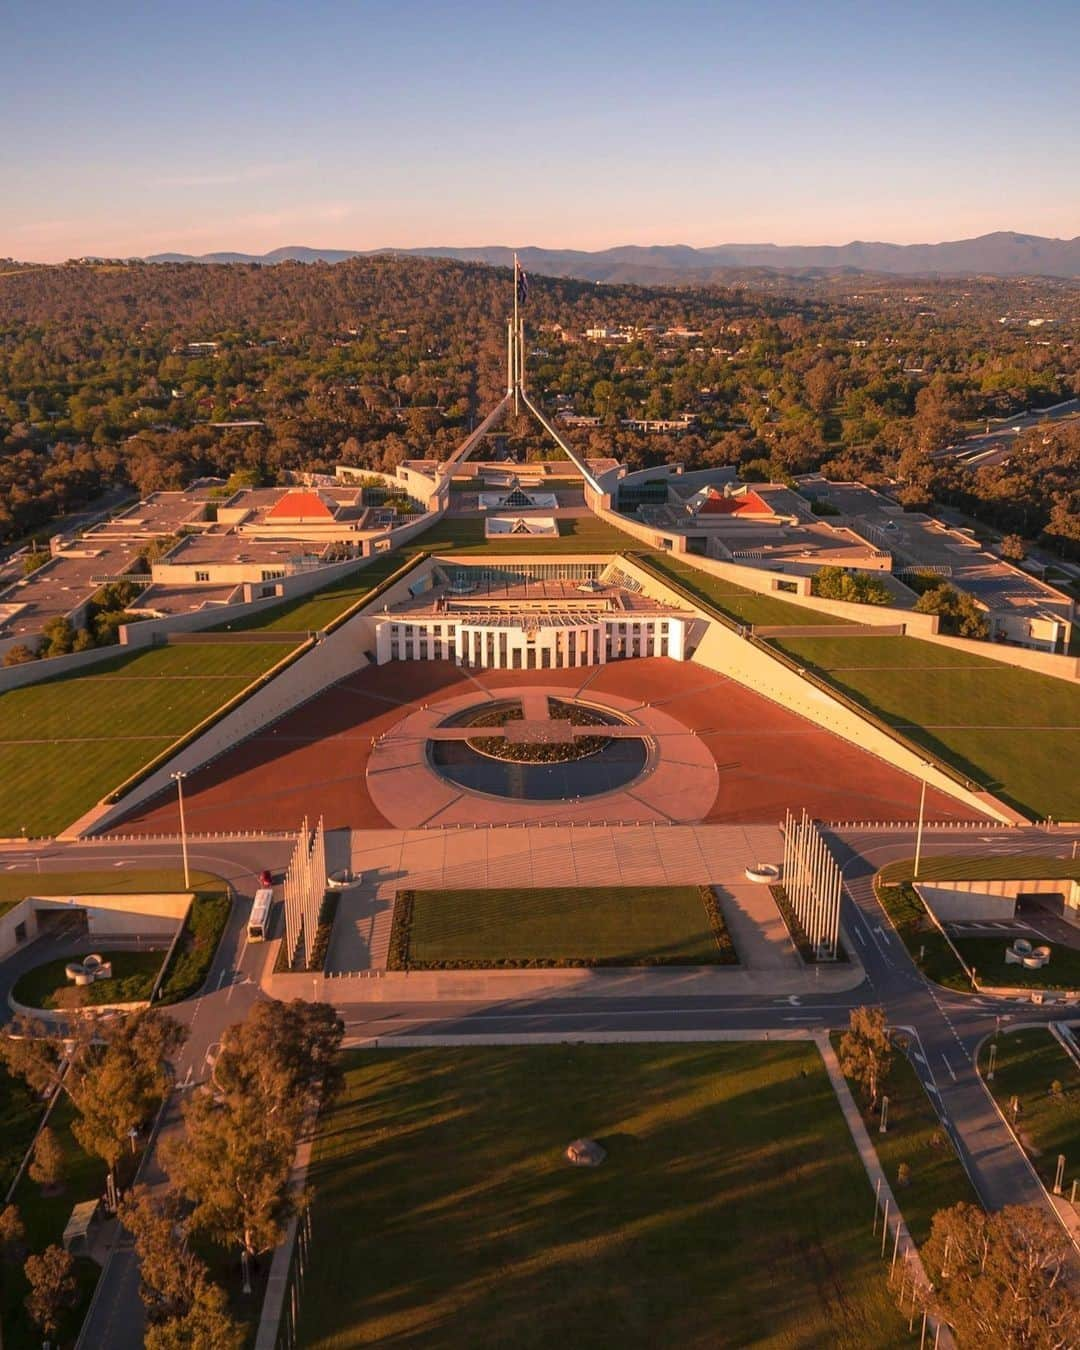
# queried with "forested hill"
point(148, 375)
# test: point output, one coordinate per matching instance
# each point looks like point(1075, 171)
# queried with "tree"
point(12, 1234)
point(19, 655)
point(117, 1083)
point(47, 1164)
point(169, 1272)
point(959, 614)
point(234, 1166)
point(285, 1057)
point(51, 1277)
point(866, 1051)
point(1002, 1279)
point(205, 1326)
point(839, 583)
point(1013, 548)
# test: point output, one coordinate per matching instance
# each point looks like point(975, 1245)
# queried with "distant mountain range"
point(1003, 254)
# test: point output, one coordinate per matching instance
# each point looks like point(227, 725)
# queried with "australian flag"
point(522, 286)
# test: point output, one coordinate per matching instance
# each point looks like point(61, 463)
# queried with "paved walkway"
point(556, 855)
point(879, 1182)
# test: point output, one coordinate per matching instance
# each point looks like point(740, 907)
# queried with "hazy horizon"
point(251, 127)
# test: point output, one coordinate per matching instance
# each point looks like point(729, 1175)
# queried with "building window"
point(20, 932)
point(202, 576)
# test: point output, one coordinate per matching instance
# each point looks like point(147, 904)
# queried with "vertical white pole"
point(517, 359)
point(918, 836)
point(509, 357)
point(183, 828)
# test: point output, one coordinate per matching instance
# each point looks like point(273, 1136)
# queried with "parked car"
point(266, 878)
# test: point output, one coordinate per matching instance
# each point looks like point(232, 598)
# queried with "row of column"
point(813, 883)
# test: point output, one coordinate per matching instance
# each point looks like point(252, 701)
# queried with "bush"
point(861, 588)
point(194, 952)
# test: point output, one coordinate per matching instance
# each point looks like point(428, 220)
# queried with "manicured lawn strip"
point(111, 881)
point(611, 926)
point(311, 613)
point(577, 534)
point(731, 1209)
point(925, 943)
point(1027, 1062)
point(194, 953)
point(989, 867)
point(738, 603)
point(970, 711)
point(46, 787)
point(133, 978)
point(68, 742)
point(986, 956)
point(914, 1136)
point(45, 1218)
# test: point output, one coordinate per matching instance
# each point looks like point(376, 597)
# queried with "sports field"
point(611, 926)
point(738, 603)
point(69, 741)
point(1014, 731)
point(731, 1209)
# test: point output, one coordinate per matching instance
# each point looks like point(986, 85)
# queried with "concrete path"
point(557, 855)
point(758, 930)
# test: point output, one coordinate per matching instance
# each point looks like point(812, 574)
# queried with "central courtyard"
point(356, 755)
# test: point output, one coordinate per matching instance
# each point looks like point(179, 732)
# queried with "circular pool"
point(550, 765)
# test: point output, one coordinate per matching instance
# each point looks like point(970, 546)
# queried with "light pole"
point(179, 778)
point(884, 1129)
point(993, 1056)
point(918, 835)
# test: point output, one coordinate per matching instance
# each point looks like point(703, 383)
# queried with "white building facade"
point(549, 641)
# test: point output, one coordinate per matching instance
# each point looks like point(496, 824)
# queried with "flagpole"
point(517, 363)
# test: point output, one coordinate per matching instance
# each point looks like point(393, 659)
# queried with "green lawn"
point(17, 885)
point(44, 1217)
point(986, 956)
point(731, 1210)
point(195, 951)
point(577, 534)
point(1014, 731)
point(925, 943)
point(614, 926)
point(989, 867)
point(311, 613)
point(738, 603)
point(47, 986)
point(68, 742)
point(914, 1136)
point(1027, 1063)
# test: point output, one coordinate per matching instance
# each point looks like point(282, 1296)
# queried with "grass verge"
point(731, 1209)
point(1027, 1066)
point(915, 1139)
point(925, 942)
point(194, 953)
point(527, 927)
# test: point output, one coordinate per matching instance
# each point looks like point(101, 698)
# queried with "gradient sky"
point(133, 128)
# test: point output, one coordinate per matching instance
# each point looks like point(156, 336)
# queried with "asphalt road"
point(946, 1027)
point(994, 446)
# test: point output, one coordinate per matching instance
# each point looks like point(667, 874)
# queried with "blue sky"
point(139, 127)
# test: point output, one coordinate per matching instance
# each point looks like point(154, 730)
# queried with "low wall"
point(34, 672)
point(959, 906)
point(108, 916)
point(1024, 658)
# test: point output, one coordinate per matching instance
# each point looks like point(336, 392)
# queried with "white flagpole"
point(517, 340)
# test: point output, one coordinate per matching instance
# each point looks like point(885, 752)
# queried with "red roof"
point(746, 504)
point(300, 506)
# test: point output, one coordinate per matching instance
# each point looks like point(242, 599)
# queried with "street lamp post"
point(179, 779)
point(884, 1129)
point(918, 835)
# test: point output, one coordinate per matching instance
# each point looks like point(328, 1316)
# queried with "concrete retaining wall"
point(1024, 658)
point(959, 906)
point(34, 672)
point(108, 916)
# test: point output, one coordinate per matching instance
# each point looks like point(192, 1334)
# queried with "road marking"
point(949, 1067)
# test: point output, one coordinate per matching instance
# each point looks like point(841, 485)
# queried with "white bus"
point(259, 921)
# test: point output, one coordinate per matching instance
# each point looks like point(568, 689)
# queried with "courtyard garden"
point(731, 1209)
